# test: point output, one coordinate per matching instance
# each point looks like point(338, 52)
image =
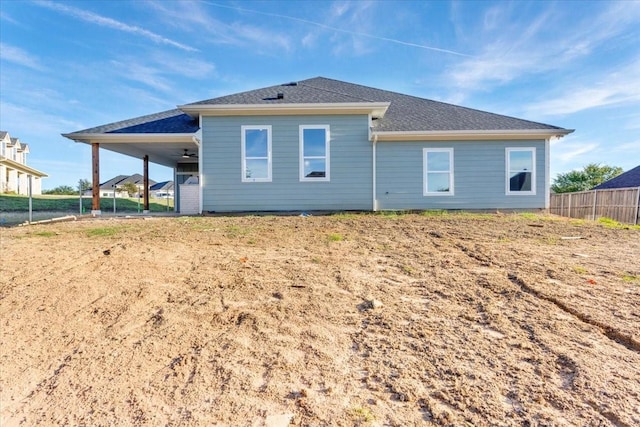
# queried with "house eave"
point(469, 135)
point(22, 168)
point(126, 138)
point(376, 109)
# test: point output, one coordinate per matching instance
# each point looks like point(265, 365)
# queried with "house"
point(323, 144)
point(116, 183)
point(162, 190)
point(15, 175)
point(629, 179)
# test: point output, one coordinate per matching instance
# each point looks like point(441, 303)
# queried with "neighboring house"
point(323, 144)
point(14, 172)
point(629, 179)
point(162, 190)
point(115, 184)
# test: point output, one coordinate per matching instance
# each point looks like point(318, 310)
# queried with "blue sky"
point(71, 65)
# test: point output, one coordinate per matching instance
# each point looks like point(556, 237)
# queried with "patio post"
point(95, 167)
point(146, 184)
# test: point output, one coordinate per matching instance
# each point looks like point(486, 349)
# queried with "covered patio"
point(171, 139)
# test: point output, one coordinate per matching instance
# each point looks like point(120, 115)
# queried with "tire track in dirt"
point(610, 332)
point(613, 334)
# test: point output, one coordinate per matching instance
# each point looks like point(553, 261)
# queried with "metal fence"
point(620, 204)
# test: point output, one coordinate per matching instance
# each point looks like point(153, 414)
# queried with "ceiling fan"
point(187, 155)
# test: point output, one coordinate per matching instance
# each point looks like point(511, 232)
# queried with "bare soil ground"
point(342, 320)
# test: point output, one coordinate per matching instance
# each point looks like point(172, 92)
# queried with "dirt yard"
point(370, 320)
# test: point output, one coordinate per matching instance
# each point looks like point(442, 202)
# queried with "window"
point(256, 153)
point(314, 153)
point(521, 172)
point(438, 171)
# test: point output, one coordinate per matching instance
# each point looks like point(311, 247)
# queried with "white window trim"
point(243, 166)
point(425, 172)
point(508, 192)
point(326, 157)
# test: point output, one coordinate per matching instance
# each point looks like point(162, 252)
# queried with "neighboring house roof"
point(21, 148)
point(630, 178)
point(112, 182)
point(165, 185)
point(136, 178)
point(405, 113)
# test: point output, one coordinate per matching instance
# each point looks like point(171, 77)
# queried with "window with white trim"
point(314, 152)
point(438, 171)
point(521, 171)
point(256, 153)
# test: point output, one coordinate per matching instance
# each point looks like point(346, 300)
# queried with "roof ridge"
point(425, 99)
point(335, 91)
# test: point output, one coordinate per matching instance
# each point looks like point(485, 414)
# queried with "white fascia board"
point(127, 138)
point(376, 109)
point(470, 135)
point(22, 168)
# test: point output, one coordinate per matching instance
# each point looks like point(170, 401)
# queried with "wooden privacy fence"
point(620, 204)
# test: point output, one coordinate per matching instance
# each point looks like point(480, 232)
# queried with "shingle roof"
point(405, 113)
point(113, 181)
point(630, 178)
point(164, 185)
point(171, 121)
point(136, 178)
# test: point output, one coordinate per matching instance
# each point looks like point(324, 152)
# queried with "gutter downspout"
point(547, 173)
point(375, 201)
point(197, 138)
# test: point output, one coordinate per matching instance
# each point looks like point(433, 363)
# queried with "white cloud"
point(138, 72)
point(185, 67)
point(570, 152)
point(513, 47)
point(18, 56)
point(20, 120)
point(104, 21)
point(630, 147)
point(344, 18)
point(196, 19)
point(5, 17)
point(158, 70)
point(617, 88)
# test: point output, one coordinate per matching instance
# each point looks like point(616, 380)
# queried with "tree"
point(581, 180)
point(84, 184)
point(130, 188)
point(61, 190)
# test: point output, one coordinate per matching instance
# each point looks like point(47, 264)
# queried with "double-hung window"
point(521, 171)
point(314, 152)
point(256, 153)
point(438, 171)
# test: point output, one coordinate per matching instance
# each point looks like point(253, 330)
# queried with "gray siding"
point(479, 176)
point(350, 187)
